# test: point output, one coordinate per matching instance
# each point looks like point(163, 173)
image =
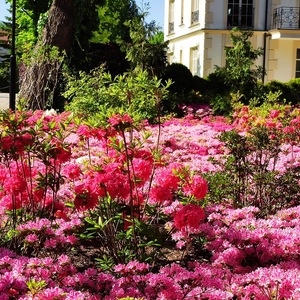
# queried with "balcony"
point(286, 18)
point(195, 17)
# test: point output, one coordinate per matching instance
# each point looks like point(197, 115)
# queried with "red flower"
point(85, 198)
point(115, 181)
point(7, 142)
point(15, 184)
point(84, 131)
point(61, 215)
point(190, 215)
point(166, 178)
point(159, 194)
point(196, 187)
point(60, 152)
point(144, 154)
point(119, 121)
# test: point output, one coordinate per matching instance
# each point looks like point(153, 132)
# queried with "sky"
point(156, 10)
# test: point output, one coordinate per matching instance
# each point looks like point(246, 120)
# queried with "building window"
point(171, 16)
point(195, 12)
point(240, 13)
point(194, 61)
point(297, 75)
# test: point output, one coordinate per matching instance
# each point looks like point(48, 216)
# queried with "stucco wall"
point(282, 59)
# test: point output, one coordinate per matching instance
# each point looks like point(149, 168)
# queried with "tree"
point(239, 77)
point(103, 46)
point(31, 17)
point(39, 79)
point(112, 15)
point(41, 75)
point(240, 72)
point(71, 34)
point(146, 49)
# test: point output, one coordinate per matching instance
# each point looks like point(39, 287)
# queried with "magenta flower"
point(32, 238)
point(189, 215)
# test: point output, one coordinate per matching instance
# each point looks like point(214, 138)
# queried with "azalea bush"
point(260, 167)
point(125, 210)
point(113, 197)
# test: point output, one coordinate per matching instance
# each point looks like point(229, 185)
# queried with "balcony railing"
point(171, 27)
point(286, 18)
point(195, 17)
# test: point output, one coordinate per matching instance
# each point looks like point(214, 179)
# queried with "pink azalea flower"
point(31, 238)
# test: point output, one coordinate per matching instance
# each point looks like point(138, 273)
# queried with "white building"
point(198, 31)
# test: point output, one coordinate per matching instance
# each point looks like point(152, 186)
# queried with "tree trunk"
point(40, 77)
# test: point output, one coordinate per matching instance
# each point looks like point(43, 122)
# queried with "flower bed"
point(112, 212)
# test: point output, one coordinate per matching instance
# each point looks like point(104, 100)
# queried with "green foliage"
point(86, 22)
point(222, 105)
point(200, 85)
point(289, 91)
point(146, 48)
point(102, 28)
point(240, 60)
point(248, 175)
point(5, 29)
point(31, 16)
point(112, 15)
point(34, 287)
point(294, 87)
point(134, 93)
point(120, 238)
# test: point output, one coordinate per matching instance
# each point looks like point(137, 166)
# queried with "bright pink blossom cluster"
point(42, 234)
point(243, 242)
point(197, 280)
point(63, 175)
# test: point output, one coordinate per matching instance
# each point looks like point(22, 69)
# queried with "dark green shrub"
point(278, 86)
point(218, 93)
point(289, 92)
point(182, 78)
point(294, 87)
point(200, 85)
point(217, 83)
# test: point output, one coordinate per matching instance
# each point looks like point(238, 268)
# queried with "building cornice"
point(284, 34)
